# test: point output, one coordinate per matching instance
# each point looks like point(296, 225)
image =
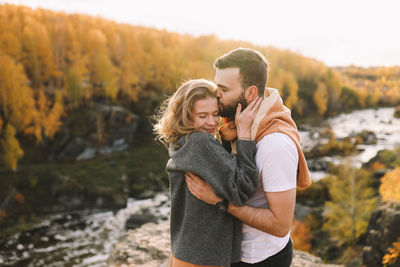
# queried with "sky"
point(337, 32)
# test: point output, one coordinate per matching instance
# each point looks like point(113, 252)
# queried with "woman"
point(201, 234)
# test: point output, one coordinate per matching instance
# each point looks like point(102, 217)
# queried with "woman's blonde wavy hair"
point(174, 117)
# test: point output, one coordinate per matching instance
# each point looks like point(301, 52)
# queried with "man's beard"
point(229, 110)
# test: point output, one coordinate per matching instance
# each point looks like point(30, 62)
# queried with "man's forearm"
point(276, 219)
point(262, 219)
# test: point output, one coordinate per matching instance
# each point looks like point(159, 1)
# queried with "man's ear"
point(250, 93)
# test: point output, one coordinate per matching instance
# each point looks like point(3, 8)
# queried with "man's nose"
point(218, 93)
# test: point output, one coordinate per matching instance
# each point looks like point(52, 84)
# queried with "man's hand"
point(201, 189)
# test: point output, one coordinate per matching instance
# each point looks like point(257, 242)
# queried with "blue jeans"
point(281, 259)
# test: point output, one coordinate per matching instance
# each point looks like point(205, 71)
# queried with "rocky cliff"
point(149, 246)
point(94, 130)
point(383, 230)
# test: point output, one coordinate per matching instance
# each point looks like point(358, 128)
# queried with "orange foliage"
point(377, 166)
point(393, 253)
point(301, 236)
point(390, 185)
point(19, 198)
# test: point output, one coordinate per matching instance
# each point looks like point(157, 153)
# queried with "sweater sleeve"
point(232, 177)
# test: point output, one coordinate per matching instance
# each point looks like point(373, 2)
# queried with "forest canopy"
point(52, 63)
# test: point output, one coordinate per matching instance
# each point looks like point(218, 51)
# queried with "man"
point(241, 75)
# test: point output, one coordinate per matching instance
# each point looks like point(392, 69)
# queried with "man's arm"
point(275, 220)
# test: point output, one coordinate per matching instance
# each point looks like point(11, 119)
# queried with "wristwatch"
point(222, 206)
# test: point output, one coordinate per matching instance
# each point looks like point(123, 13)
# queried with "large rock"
point(149, 246)
point(383, 230)
point(94, 130)
point(136, 220)
point(397, 112)
point(146, 246)
point(304, 259)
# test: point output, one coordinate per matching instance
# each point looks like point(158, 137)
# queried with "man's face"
point(229, 91)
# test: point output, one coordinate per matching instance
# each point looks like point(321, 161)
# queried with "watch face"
point(221, 207)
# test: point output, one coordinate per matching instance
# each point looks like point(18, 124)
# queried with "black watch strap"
point(222, 206)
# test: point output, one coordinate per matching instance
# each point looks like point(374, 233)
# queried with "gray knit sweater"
point(200, 234)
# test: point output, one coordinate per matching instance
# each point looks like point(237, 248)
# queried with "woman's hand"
point(244, 119)
point(201, 189)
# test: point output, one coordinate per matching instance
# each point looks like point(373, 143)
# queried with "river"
point(381, 122)
point(86, 239)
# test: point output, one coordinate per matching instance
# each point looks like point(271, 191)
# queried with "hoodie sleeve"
point(232, 177)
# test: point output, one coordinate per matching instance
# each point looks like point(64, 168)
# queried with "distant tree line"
point(52, 63)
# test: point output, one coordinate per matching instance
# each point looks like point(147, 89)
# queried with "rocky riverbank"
point(76, 171)
point(149, 246)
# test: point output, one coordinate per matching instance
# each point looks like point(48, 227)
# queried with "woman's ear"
point(250, 93)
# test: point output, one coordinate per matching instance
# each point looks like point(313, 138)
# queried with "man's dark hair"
point(253, 67)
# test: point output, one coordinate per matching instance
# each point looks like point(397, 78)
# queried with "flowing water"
point(380, 121)
point(76, 239)
point(82, 239)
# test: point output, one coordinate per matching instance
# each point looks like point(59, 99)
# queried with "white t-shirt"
point(277, 160)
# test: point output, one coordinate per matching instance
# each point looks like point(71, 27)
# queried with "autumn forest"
point(52, 63)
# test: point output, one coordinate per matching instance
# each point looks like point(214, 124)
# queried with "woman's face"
point(206, 115)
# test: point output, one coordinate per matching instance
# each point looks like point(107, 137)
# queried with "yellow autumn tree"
point(126, 53)
point(76, 78)
point(47, 116)
point(17, 107)
point(108, 76)
point(73, 85)
point(39, 59)
point(52, 122)
point(334, 87)
point(286, 83)
point(10, 148)
point(321, 98)
point(16, 97)
point(390, 185)
point(105, 75)
point(10, 44)
point(10, 32)
point(352, 201)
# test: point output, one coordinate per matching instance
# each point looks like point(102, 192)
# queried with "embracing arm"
point(279, 171)
point(275, 220)
point(233, 178)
